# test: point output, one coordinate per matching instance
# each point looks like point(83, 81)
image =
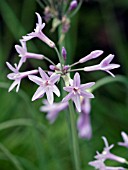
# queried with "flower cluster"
point(47, 81)
point(99, 163)
point(60, 12)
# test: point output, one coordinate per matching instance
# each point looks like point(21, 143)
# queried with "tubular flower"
point(22, 50)
point(104, 65)
point(39, 34)
point(53, 109)
point(125, 138)
point(76, 90)
point(17, 76)
point(46, 85)
point(83, 123)
point(92, 55)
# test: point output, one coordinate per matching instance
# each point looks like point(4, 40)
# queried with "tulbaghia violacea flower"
point(39, 34)
point(46, 85)
point(99, 164)
point(83, 123)
point(53, 109)
point(76, 90)
point(17, 76)
point(106, 154)
point(104, 65)
point(125, 138)
point(73, 5)
point(22, 50)
point(92, 55)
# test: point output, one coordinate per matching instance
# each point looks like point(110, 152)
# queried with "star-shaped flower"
point(106, 154)
point(125, 138)
point(22, 51)
point(38, 33)
point(53, 109)
point(17, 76)
point(46, 85)
point(76, 90)
point(104, 65)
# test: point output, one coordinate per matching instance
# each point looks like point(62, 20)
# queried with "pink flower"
point(53, 109)
point(76, 90)
point(106, 154)
point(83, 122)
point(46, 85)
point(92, 55)
point(99, 164)
point(125, 138)
point(39, 34)
point(22, 50)
point(104, 65)
point(17, 76)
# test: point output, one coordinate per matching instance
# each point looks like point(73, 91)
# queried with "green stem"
point(75, 145)
point(59, 57)
point(77, 9)
point(50, 61)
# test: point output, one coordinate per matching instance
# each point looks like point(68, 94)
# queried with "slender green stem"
point(77, 9)
point(50, 61)
point(40, 3)
point(59, 57)
point(75, 145)
point(78, 69)
point(74, 64)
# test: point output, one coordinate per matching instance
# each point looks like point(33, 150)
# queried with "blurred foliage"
point(27, 140)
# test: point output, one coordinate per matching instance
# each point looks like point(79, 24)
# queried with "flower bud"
point(64, 53)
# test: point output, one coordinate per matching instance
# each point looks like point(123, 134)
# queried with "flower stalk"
point(75, 145)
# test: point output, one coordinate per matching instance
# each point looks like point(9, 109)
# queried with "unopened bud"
point(64, 53)
point(73, 5)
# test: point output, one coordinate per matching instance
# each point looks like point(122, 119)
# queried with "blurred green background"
point(27, 140)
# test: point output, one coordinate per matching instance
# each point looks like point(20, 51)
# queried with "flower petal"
point(76, 99)
point(11, 67)
point(15, 83)
point(68, 89)
point(86, 94)
point(35, 79)
point(43, 74)
point(68, 97)
point(76, 81)
point(56, 90)
point(54, 78)
point(107, 60)
point(39, 93)
point(49, 94)
point(87, 85)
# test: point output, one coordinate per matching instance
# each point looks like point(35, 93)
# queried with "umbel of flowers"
point(47, 81)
